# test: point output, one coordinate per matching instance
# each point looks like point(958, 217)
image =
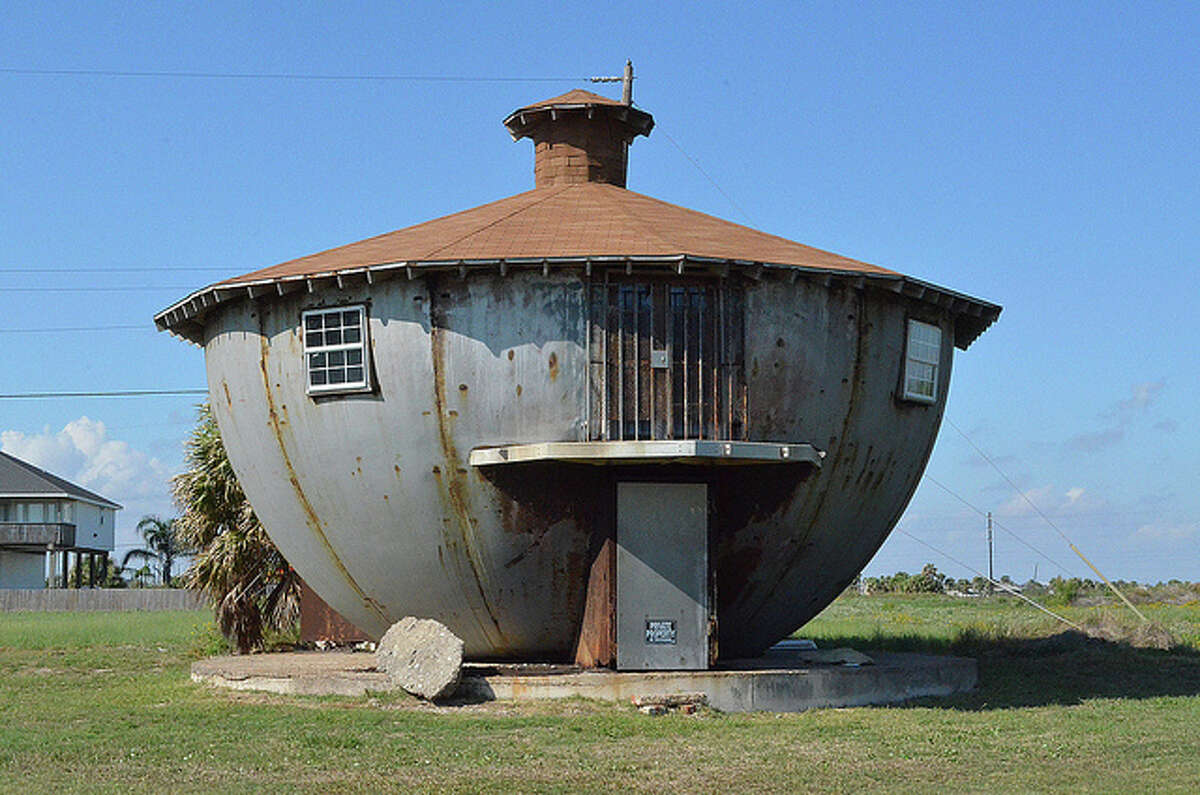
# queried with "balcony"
point(36, 535)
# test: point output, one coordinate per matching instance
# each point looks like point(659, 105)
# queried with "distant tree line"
point(1059, 590)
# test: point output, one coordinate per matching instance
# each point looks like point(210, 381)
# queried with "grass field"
point(102, 702)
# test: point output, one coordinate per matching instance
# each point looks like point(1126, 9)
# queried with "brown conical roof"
point(582, 220)
point(578, 214)
point(576, 96)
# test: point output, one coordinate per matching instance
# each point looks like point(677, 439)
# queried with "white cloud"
point(1143, 396)
point(1095, 441)
point(1119, 417)
point(1050, 501)
point(1167, 426)
point(1163, 531)
point(1018, 505)
point(83, 453)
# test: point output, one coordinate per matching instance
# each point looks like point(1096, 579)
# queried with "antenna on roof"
point(626, 80)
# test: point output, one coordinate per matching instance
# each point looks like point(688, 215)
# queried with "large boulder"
point(422, 656)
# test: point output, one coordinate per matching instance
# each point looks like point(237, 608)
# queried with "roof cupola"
point(579, 137)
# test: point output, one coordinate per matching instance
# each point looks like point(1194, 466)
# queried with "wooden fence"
point(80, 599)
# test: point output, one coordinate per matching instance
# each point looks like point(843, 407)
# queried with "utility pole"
point(626, 81)
point(991, 573)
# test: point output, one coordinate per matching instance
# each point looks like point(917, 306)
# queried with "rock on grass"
point(421, 656)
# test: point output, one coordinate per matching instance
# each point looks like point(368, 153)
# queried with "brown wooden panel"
point(319, 621)
point(596, 646)
point(700, 395)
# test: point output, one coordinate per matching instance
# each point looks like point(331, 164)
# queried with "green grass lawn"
point(103, 702)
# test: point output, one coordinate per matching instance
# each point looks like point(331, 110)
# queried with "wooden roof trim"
point(185, 318)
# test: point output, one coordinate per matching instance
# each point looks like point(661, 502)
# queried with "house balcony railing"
point(37, 534)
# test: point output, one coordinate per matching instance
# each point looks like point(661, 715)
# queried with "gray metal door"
point(662, 576)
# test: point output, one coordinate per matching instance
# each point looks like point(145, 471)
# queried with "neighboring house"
point(43, 516)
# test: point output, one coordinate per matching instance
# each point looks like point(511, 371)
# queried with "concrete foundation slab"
point(786, 679)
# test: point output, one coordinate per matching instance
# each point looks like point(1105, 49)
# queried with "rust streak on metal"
point(836, 455)
point(453, 483)
point(313, 521)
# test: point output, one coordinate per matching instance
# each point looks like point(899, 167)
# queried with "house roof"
point(569, 223)
point(521, 120)
point(577, 96)
point(566, 225)
point(566, 221)
point(21, 479)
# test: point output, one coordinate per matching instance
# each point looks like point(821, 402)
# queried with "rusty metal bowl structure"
point(504, 368)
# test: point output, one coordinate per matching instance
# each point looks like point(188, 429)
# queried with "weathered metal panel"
point(373, 499)
point(662, 576)
point(826, 367)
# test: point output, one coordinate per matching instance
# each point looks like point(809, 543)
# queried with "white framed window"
point(335, 349)
point(922, 354)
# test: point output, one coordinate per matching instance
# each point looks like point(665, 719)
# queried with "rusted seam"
point(314, 521)
point(455, 493)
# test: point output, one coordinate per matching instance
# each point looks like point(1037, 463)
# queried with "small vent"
point(666, 361)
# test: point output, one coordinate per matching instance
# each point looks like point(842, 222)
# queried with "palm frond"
point(234, 562)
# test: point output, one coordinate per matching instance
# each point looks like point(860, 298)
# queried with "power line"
point(297, 76)
point(122, 269)
point(705, 174)
point(138, 326)
point(981, 512)
point(1001, 585)
point(120, 393)
point(135, 288)
point(1038, 511)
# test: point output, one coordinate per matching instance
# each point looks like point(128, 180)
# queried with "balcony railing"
point(37, 534)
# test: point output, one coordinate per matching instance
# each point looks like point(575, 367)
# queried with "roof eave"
point(60, 495)
point(185, 318)
point(520, 122)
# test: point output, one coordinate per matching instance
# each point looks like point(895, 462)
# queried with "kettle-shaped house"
point(580, 423)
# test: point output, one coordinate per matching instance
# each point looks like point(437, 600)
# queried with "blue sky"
point(1044, 159)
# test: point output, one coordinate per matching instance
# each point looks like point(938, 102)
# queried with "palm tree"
point(234, 563)
point(163, 545)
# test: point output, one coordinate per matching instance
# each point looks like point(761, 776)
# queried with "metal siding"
point(373, 500)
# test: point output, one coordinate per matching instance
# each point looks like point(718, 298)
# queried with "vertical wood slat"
point(596, 363)
point(714, 368)
point(612, 363)
point(634, 364)
point(629, 363)
point(679, 361)
point(696, 339)
point(661, 416)
point(645, 329)
point(722, 365)
point(736, 330)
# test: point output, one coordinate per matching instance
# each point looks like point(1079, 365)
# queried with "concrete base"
point(786, 679)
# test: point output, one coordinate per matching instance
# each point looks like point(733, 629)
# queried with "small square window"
point(922, 354)
point(335, 343)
